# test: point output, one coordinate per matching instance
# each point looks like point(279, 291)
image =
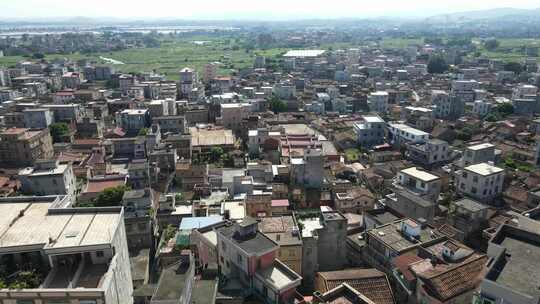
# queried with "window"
point(464, 175)
point(475, 179)
point(473, 190)
point(239, 258)
point(223, 246)
point(100, 254)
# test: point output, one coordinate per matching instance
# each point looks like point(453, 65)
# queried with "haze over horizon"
point(246, 10)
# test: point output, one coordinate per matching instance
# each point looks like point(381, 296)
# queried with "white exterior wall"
point(479, 186)
point(481, 108)
point(38, 119)
point(118, 284)
point(378, 102)
point(50, 184)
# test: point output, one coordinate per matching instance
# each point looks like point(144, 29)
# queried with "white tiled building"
point(481, 181)
point(378, 102)
point(48, 177)
point(420, 182)
point(402, 133)
point(80, 255)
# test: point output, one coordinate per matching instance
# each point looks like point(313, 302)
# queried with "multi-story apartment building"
point(401, 134)
point(481, 181)
point(138, 205)
point(133, 120)
point(188, 81)
point(71, 80)
point(75, 255)
point(232, 115)
point(447, 106)
point(419, 182)
point(308, 171)
point(370, 131)
point(418, 117)
point(511, 276)
point(378, 102)
point(249, 257)
point(468, 217)
point(129, 147)
point(171, 124)
point(125, 81)
point(524, 91)
point(285, 232)
point(38, 118)
point(139, 174)
point(21, 147)
point(430, 153)
point(210, 71)
point(479, 153)
point(48, 177)
point(324, 244)
point(482, 108)
point(66, 112)
point(464, 90)
point(355, 200)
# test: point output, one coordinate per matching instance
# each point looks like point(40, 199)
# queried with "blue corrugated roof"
point(190, 223)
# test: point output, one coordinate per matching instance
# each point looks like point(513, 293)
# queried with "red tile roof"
point(402, 263)
point(96, 186)
point(445, 281)
point(369, 282)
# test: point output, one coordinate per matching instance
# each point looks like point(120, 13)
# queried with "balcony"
point(75, 271)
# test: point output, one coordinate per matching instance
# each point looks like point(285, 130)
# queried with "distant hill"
point(487, 14)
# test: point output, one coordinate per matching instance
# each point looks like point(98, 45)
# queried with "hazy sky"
point(257, 9)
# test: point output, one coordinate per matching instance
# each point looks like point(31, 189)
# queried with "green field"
point(171, 56)
point(511, 49)
point(177, 53)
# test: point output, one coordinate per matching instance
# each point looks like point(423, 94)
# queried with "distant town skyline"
point(244, 9)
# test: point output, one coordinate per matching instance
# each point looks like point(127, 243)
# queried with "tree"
point(277, 105)
point(143, 132)
point(465, 41)
point(515, 67)
point(505, 109)
point(169, 232)
point(430, 40)
point(38, 56)
point(491, 44)
point(111, 196)
point(215, 153)
point(437, 65)
point(58, 131)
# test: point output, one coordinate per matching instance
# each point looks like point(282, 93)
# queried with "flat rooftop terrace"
point(391, 235)
point(30, 225)
point(521, 271)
